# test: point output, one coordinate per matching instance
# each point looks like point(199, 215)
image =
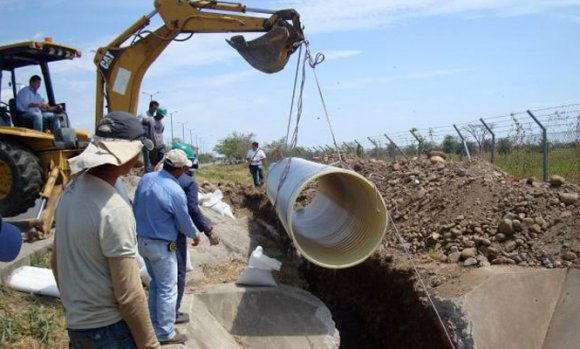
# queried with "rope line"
point(404, 244)
point(293, 96)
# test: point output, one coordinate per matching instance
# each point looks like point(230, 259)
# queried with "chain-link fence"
point(532, 143)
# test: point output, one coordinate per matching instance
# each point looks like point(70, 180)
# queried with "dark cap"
point(122, 125)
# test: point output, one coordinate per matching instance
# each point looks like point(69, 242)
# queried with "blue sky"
point(390, 65)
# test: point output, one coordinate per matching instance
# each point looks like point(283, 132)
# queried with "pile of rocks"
point(475, 214)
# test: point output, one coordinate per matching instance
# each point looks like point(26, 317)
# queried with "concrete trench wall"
point(512, 308)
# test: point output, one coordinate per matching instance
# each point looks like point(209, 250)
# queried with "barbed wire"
point(561, 122)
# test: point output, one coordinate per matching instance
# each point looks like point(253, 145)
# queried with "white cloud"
point(322, 16)
point(340, 54)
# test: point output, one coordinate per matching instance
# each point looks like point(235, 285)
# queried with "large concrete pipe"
point(342, 225)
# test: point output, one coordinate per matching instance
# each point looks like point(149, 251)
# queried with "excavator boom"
point(121, 68)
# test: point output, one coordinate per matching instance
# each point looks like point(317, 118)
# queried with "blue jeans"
point(257, 174)
point(115, 336)
point(162, 267)
point(146, 160)
point(38, 118)
point(181, 254)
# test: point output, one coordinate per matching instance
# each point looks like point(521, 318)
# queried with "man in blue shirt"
point(160, 207)
point(32, 106)
point(189, 185)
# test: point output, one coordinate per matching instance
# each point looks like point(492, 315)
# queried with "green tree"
point(450, 144)
point(504, 146)
point(235, 145)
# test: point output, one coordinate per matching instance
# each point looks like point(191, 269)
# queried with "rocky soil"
point(472, 213)
point(451, 217)
point(475, 214)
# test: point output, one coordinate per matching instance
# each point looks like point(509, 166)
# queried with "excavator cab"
point(33, 163)
point(23, 58)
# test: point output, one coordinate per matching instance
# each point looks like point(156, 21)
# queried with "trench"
point(374, 305)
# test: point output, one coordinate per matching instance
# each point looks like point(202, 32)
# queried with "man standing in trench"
point(95, 244)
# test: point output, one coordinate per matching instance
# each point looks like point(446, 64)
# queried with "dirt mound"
point(472, 213)
point(476, 214)
point(452, 217)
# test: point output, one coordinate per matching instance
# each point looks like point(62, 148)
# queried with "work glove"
point(214, 238)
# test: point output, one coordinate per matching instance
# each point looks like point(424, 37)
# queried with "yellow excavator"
point(33, 163)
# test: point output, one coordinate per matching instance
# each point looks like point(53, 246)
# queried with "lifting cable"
point(290, 144)
point(319, 58)
point(405, 246)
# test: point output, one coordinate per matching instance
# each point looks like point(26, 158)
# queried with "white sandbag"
point(256, 277)
point(223, 209)
point(214, 201)
point(259, 260)
point(188, 265)
point(34, 280)
point(259, 270)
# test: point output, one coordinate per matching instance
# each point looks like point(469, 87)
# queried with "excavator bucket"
point(270, 52)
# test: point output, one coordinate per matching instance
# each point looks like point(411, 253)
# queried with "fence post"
point(396, 146)
point(362, 149)
point(376, 147)
point(464, 143)
point(492, 140)
point(322, 150)
point(418, 140)
point(544, 144)
point(346, 146)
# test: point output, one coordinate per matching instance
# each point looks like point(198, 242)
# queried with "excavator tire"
point(20, 179)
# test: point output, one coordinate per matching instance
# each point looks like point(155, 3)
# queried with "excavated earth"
point(451, 218)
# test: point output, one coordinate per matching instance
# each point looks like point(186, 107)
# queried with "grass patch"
point(225, 173)
point(524, 164)
point(239, 174)
point(41, 260)
point(30, 321)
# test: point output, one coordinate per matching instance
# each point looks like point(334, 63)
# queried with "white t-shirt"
point(93, 223)
point(256, 156)
point(26, 96)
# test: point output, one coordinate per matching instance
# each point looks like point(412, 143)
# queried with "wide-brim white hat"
point(101, 151)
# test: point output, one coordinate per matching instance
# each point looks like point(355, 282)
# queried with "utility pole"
point(182, 130)
point(171, 120)
point(150, 95)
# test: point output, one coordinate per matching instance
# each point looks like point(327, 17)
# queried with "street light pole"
point(150, 95)
point(182, 131)
point(191, 136)
point(171, 120)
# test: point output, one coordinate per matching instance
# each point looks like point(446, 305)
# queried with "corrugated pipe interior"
point(341, 225)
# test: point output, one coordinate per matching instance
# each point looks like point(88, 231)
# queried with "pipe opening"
point(343, 223)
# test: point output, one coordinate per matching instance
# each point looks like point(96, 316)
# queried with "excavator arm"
point(121, 68)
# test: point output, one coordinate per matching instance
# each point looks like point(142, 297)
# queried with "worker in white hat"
point(95, 244)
